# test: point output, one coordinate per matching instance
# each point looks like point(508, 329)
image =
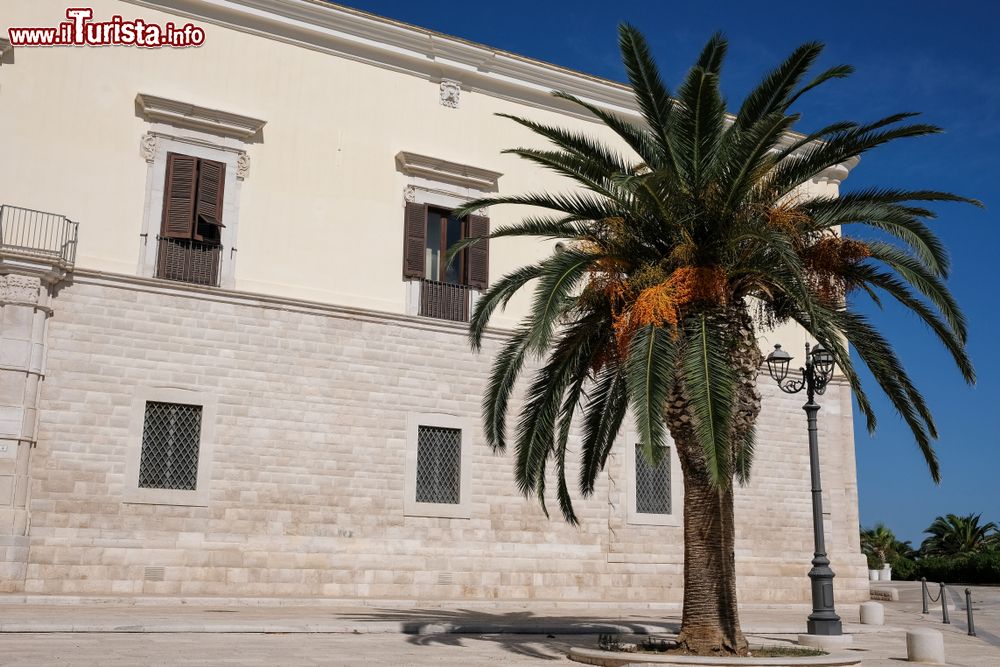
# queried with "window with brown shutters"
point(479, 253)
point(429, 233)
point(414, 240)
point(189, 247)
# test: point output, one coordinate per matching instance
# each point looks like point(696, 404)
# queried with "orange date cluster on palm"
point(636, 304)
point(828, 262)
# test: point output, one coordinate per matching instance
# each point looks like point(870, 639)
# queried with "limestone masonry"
point(234, 363)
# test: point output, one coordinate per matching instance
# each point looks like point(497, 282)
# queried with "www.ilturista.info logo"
point(79, 30)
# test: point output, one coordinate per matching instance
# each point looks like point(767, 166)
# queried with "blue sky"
point(938, 58)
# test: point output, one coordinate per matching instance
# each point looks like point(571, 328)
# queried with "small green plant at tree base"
point(785, 652)
point(610, 642)
point(653, 645)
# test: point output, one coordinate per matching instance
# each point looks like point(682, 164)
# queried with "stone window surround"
point(156, 143)
point(447, 201)
point(443, 184)
point(199, 497)
point(676, 516)
point(461, 510)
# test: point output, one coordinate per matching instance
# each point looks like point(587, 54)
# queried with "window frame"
point(169, 139)
point(199, 497)
point(460, 510)
point(434, 198)
point(446, 214)
point(634, 517)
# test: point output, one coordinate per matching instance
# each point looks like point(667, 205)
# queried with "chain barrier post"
point(923, 594)
point(944, 606)
point(968, 612)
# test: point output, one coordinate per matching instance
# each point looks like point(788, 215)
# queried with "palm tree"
point(958, 535)
point(881, 547)
point(673, 245)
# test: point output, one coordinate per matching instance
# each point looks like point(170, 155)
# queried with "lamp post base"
point(824, 626)
point(824, 619)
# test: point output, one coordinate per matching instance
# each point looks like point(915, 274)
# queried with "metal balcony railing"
point(445, 301)
point(188, 261)
point(37, 235)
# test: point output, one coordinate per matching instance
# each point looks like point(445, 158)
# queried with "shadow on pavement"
point(523, 633)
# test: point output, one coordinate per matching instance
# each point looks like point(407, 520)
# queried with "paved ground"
point(230, 633)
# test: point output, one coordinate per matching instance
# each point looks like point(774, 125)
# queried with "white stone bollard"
point(925, 645)
point(872, 613)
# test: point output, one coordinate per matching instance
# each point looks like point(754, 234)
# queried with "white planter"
point(885, 574)
point(873, 575)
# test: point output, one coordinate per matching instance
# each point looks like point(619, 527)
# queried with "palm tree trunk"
point(710, 624)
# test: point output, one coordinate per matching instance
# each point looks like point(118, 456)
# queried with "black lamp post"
point(819, 369)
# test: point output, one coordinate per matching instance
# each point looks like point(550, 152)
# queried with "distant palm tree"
point(953, 535)
point(882, 547)
point(673, 246)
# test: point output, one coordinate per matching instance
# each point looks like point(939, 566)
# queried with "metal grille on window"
point(652, 484)
point(170, 439)
point(439, 464)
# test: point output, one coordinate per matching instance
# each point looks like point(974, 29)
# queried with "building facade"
point(233, 363)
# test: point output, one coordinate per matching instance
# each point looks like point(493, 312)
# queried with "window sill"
point(642, 519)
point(437, 510)
point(175, 497)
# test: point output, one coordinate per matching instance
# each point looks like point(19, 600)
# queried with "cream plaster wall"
point(321, 210)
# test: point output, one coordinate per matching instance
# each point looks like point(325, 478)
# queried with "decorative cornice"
point(434, 169)
point(398, 46)
point(184, 114)
point(376, 40)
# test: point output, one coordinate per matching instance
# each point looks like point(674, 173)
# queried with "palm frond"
point(836, 72)
point(710, 383)
point(559, 277)
point(771, 95)
point(650, 371)
point(503, 377)
point(603, 416)
point(651, 94)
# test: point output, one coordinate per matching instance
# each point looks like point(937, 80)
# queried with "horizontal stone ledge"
point(623, 659)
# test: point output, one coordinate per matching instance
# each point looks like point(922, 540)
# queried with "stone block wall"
point(306, 496)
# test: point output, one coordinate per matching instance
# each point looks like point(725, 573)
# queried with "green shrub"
point(904, 569)
point(977, 568)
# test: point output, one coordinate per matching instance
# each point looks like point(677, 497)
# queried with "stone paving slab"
point(375, 634)
point(226, 617)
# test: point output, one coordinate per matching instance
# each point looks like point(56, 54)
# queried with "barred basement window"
point(171, 437)
point(652, 484)
point(439, 465)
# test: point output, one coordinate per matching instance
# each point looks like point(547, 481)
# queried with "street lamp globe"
point(777, 364)
point(823, 361)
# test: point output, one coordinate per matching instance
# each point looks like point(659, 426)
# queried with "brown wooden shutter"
point(211, 182)
point(178, 197)
point(479, 253)
point(414, 240)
